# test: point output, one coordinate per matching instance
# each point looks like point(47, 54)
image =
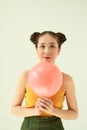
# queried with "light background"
point(18, 20)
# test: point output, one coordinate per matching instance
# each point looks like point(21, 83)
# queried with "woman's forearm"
point(65, 114)
point(23, 111)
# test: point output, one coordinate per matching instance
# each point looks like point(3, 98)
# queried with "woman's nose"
point(47, 50)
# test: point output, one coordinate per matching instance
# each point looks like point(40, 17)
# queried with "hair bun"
point(62, 37)
point(34, 37)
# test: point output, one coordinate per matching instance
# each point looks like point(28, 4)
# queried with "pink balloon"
point(45, 79)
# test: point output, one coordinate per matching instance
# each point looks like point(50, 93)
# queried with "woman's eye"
point(42, 46)
point(52, 46)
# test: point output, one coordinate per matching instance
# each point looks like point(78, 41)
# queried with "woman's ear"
point(36, 50)
point(59, 50)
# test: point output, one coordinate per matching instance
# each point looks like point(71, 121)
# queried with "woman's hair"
point(60, 37)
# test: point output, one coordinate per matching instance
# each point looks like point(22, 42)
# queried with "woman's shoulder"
point(67, 81)
point(67, 77)
point(24, 75)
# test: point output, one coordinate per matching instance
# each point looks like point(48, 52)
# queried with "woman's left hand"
point(46, 105)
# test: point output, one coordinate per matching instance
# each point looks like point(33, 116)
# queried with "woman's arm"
point(17, 107)
point(46, 105)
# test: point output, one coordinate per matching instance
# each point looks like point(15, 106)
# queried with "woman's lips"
point(47, 58)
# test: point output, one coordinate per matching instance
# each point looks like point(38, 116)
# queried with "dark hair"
point(60, 37)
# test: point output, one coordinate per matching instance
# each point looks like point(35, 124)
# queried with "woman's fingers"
point(45, 100)
point(45, 104)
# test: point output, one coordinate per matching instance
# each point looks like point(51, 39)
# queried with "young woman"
point(45, 113)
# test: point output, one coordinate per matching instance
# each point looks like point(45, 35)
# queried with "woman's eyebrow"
point(42, 43)
point(52, 43)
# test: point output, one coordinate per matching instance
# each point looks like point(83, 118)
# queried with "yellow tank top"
point(31, 97)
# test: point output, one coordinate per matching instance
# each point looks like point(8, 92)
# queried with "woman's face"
point(47, 48)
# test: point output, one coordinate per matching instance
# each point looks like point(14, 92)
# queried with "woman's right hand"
point(37, 108)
